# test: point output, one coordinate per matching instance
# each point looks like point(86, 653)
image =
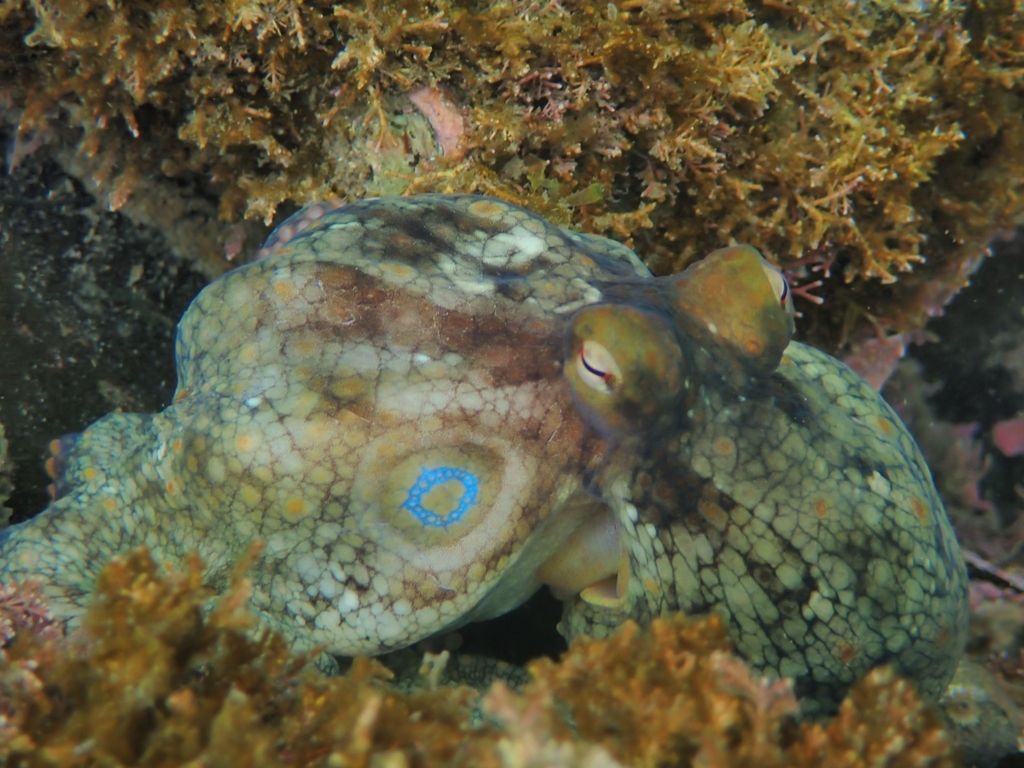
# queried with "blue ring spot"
point(430, 479)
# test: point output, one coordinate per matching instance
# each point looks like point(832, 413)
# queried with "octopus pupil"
point(600, 374)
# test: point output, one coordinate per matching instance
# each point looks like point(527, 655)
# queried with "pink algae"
point(1008, 436)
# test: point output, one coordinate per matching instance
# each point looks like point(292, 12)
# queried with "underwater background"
point(874, 151)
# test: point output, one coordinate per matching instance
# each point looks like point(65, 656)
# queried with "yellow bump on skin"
point(28, 559)
point(486, 209)
point(820, 508)
point(320, 476)
point(348, 387)
point(352, 424)
point(920, 509)
point(249, 353)
point(885, 425)
point(354, 436)
point(89, 473)
point(390, 449)
point(238, 296)
point(249, 495)
point(317, 430)
point(306, 346)
point(651, 586)
point(547, 289)
point(192, 463)
point(386, 418)
point(847, 652)
point(110, 504)
point(296, 506)
point(398, 270)
point(753, 346)
point(299, 405)
point(246, 442)
point(172, 487)
point(177, 445)
point(713, 513)
point(433, 369)
point(284, 288)
point(215, 470)
point(724, 446)
point(429, 424)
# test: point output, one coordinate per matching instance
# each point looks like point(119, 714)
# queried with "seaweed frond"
point(160, 675)
point(879, 143)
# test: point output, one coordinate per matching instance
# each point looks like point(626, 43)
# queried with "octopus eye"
point(779, 284)
point(597, 368)
point(624, 366)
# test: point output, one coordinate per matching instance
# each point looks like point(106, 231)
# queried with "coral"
point(158, 677)
point(985, 718)
point(854, 139)
point(153, 680)
point(674, 695)
point(22, 607)
point(530, 738)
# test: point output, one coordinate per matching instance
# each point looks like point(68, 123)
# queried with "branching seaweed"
point(159, 676)
point(875, 138)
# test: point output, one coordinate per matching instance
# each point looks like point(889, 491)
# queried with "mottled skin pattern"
point(790, 499)
point(315, 388)
point(826, 556)
point(426, 407)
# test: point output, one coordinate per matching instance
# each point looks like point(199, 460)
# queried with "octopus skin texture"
point(428, 407)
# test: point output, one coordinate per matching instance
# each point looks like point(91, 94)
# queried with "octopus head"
point(631, 368)
point(625, 367)
point(739, 300)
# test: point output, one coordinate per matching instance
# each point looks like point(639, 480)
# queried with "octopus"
point(426, 408)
